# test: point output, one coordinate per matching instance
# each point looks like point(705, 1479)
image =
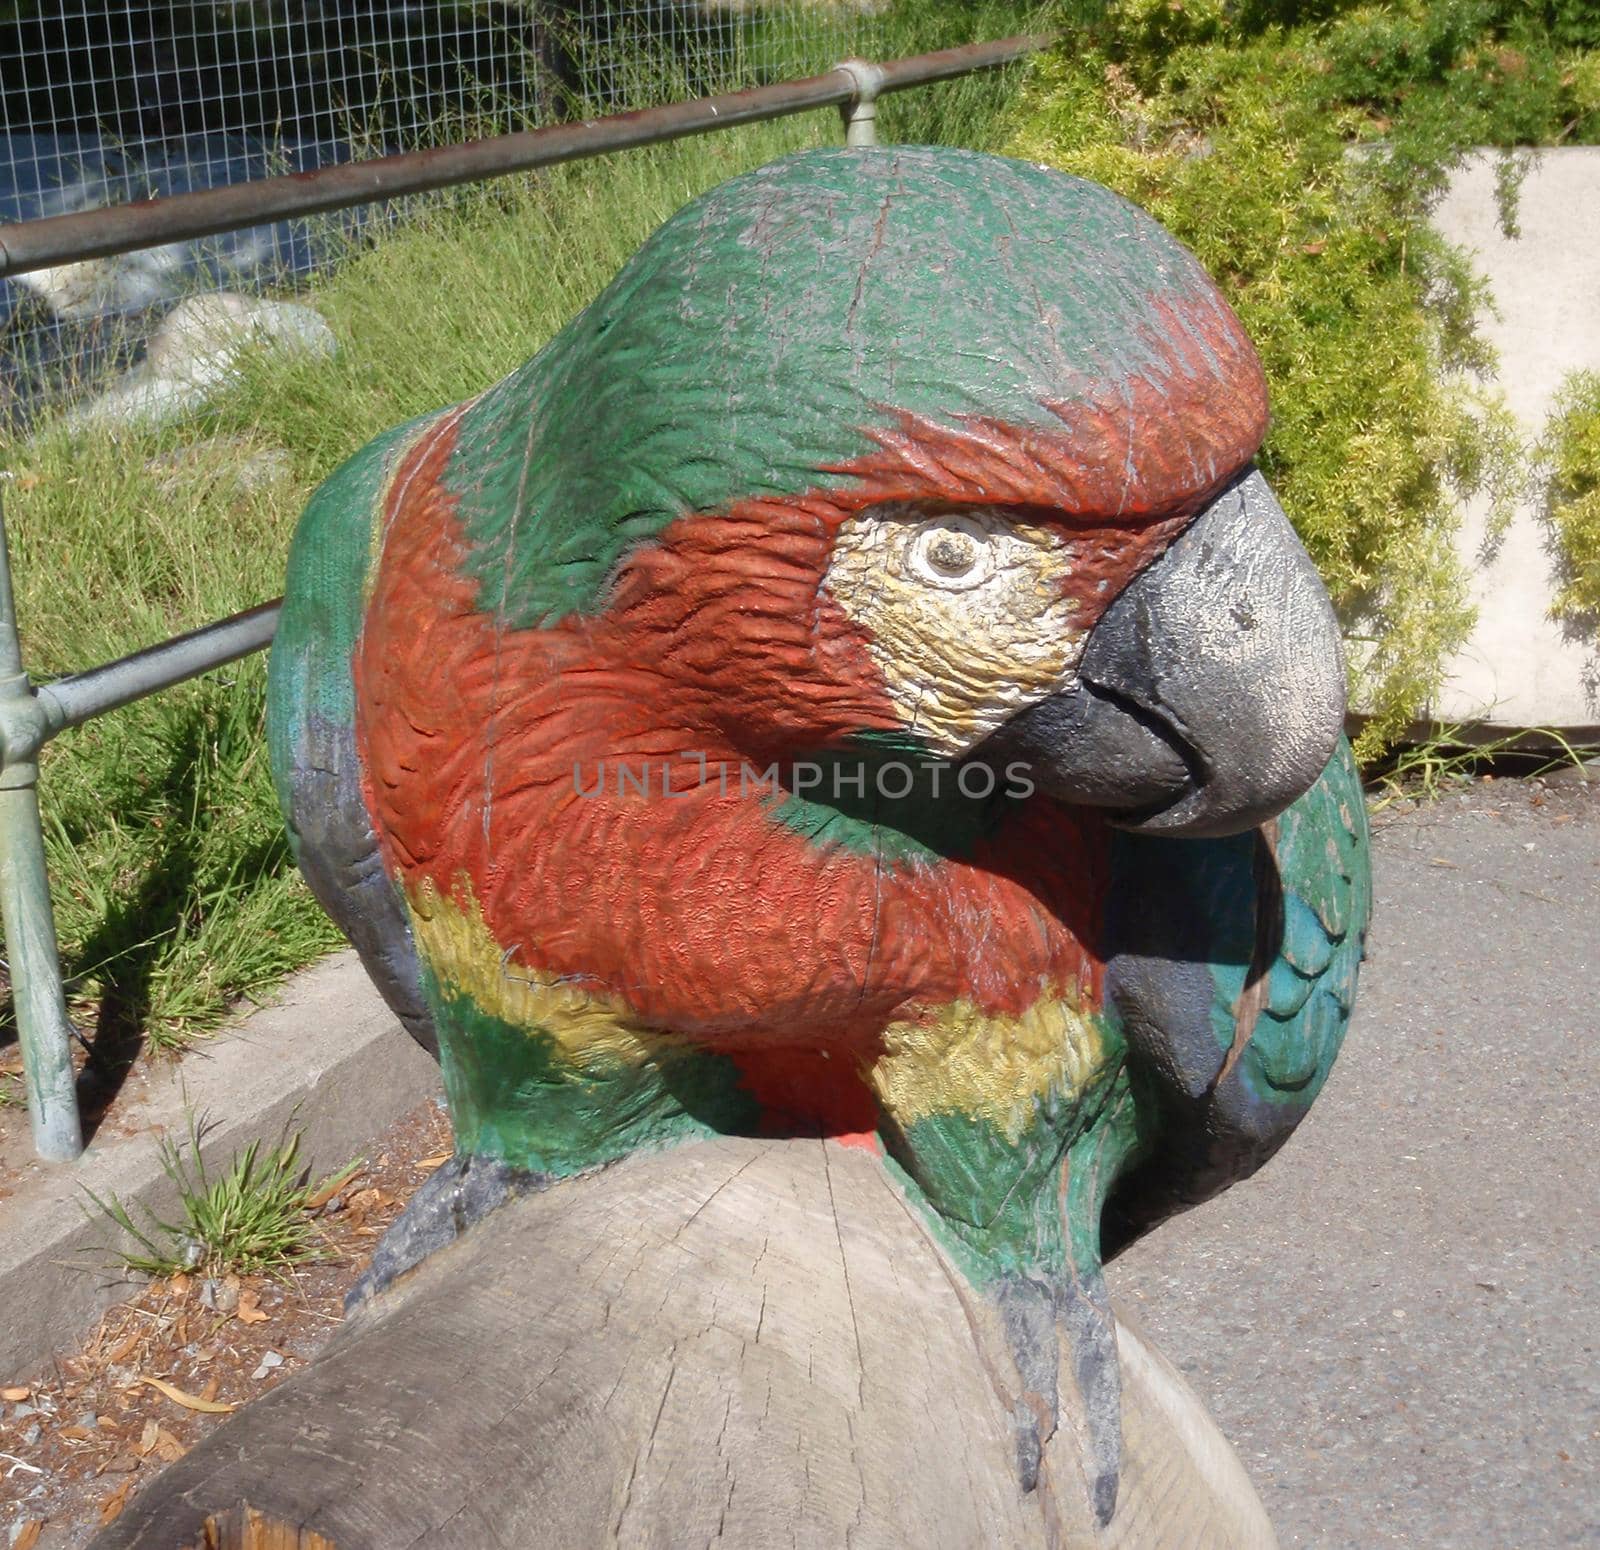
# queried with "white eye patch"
point(965, 613)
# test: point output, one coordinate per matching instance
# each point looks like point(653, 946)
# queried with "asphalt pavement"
point(1397, 1321)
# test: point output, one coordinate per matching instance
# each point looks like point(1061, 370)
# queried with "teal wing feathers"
point(311, 724)
point(1232, 969)
point(1322, 856)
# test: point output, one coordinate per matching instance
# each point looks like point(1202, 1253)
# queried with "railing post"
point(860, 113)
point(41, 1008)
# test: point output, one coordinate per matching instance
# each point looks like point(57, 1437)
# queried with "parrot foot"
point(455, 1196)
point(1037, 1315)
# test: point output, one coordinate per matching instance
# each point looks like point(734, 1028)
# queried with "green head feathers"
point(758, 339)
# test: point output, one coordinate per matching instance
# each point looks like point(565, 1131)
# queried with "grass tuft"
point(1427, 770)
point(251, 1219)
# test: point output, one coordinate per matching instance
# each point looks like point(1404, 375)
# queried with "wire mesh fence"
point(104, 101)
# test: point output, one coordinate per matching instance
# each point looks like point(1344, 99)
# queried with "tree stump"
point(750, 1342)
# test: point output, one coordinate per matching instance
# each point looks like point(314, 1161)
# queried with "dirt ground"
point(160, 1370)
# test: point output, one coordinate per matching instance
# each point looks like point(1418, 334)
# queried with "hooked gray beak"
point(1211, 693)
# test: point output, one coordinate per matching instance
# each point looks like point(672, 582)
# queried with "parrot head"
point(944, 451)
point(905, 455)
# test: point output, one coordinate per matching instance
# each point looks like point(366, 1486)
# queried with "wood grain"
point(747, 1342)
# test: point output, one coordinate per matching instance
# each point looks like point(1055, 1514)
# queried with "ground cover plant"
point(1297, 148)
point(174, 891)
point(251, 1218)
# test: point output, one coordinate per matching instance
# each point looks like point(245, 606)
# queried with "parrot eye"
point(963, 609)
point(951, 552)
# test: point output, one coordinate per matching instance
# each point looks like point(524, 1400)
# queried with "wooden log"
point(743, 1342)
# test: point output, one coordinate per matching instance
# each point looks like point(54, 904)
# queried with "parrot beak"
point(1211, 693)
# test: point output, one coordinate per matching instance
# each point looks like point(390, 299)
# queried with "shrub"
point(1570, 451)
point(1297, 148)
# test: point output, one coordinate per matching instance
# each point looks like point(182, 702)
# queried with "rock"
point(201, 338)
point(97, 286)
point(196, 350)
point(221, 1296)
point(1585, 774)
point(216, 459)
point(136, 400)
point(269, 1360)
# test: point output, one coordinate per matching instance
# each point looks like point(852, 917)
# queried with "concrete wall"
point(1520, 668)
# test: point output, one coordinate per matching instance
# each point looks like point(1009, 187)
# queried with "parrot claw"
point(1036, 1314)
point(454, 1197)
point(1084, 1313)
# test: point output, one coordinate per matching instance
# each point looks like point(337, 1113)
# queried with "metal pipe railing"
point(146, 223)
point(68, 702)
point(30, 715)
point(43, 1028)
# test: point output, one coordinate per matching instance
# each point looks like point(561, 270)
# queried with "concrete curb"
point(329, 1060)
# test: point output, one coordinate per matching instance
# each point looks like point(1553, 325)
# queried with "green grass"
point(173, 887)
point(172, 883)
point(250, 1219)
point(1446, 761)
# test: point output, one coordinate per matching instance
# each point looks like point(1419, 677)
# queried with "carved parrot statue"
point(853, 681)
